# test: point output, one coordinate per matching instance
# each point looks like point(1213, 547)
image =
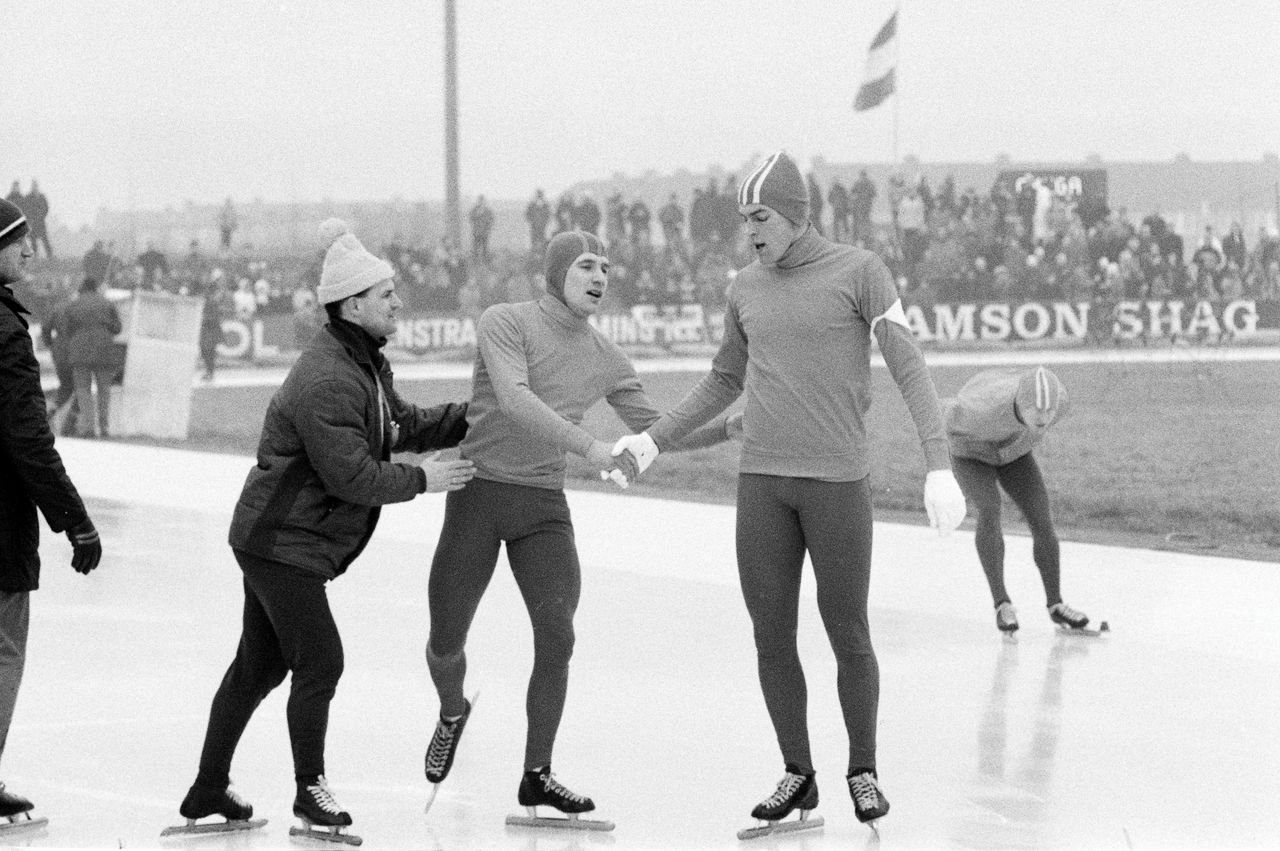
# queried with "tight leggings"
point(1021, 479)
point(537, 529)
point(288, 627)
point(779, 519)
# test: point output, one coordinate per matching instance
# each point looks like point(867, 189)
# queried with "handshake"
point(633, 454)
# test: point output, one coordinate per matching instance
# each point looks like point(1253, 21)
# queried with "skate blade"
point(21, 822)
point(1103, 628)
point(431, 797)
point(572, 822)
point(194, 828)
point(774, 828)
point(326, 834)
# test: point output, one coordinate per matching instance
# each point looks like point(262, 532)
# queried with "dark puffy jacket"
point(31, 471)
point(324, 467)
point(91, 323)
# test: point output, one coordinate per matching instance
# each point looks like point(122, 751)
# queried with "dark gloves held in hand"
point(87, 549)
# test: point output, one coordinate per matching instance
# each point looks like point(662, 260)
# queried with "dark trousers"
point(40, 236)
point(15, 620)
point(1021, 479)
point(779, 518)
point(88, 379)
point(288, 627)
point(538, 531)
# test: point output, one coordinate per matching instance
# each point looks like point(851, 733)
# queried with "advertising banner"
point(686, 325)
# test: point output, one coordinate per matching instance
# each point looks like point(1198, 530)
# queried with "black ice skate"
point(202, 802)
point(322, 817)
point(1069, 620)
point(796, 791)
point(869, 802)
point(540, 788)
point(16, 812)
point(441, 750)
point(1006, 618)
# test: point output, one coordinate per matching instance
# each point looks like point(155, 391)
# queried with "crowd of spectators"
point(942, 246)
point(966, 247)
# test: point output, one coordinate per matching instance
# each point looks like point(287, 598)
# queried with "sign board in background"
point(1084, 187)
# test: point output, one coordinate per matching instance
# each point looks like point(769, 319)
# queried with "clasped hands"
point(633, 453)
point(630, 457)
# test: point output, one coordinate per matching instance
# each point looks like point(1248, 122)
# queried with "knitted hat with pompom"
point(349, 269)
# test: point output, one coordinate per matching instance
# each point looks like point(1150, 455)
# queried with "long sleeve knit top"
point(538, 368)
point(982, 420)
point(798, 340)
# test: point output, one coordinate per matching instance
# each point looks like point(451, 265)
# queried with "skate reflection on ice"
point(21, 832)
point(228, 839)
point(568, 840)
point(800, 841)
point(1011, 811)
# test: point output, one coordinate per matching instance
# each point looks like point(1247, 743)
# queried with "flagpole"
point(897, 81)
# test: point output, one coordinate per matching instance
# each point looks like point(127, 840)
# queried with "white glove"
point(641, 447)
point(615, 476)
point(943, 501)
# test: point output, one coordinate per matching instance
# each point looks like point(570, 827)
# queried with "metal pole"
point(897, 79)
point(453, 218)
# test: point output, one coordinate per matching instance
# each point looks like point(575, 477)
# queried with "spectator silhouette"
point(481, 227)
point(92, 323)
point(36, 206)
point(538, 215)
point(861, 197)
point(228, 221)
point(154, 265)
point(671, 217)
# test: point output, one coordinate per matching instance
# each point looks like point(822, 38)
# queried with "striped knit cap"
point(1040, 391)
point(565, 248)
point(777, 184)
point(13, 225)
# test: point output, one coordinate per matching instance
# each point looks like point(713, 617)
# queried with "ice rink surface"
point(1165, 733)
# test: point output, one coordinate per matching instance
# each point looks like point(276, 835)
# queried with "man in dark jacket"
point(537, 214)
point(307, 510)
point(31, 477)
point(92, 324)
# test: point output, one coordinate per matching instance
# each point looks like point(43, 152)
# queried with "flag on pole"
point(878, 80)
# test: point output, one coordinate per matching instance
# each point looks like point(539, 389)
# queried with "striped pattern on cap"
point(1040, 391)
point(749, 191)
point(1044, 391)
point(13, 224)
point(777, 183)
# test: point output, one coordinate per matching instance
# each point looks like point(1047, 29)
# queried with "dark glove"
point(87, 549)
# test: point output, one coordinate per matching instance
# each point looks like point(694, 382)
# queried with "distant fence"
point(1069, 323)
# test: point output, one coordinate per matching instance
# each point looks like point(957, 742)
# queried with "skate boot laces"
point(787, 787)
point(323, 797)
point(441, 744)
point(555, 787)
point(1062, 613)
point(866, 792)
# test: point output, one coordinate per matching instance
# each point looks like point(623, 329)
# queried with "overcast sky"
point(120, 102)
